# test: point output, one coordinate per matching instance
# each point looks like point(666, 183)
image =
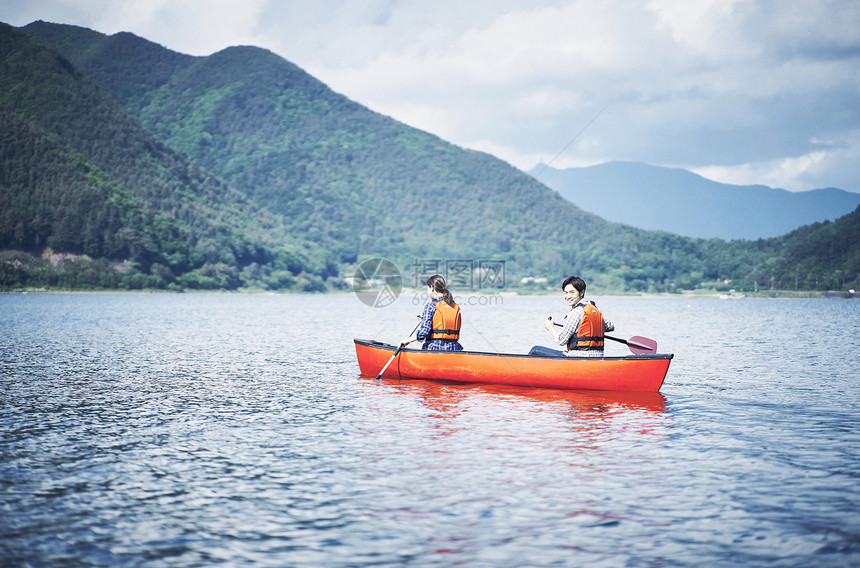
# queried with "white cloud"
point(775, 173)
point(744, 89)
point(196, 27)
point(838, 164)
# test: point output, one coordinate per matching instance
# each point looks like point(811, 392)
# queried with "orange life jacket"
point(590, 332)
point(446, 322)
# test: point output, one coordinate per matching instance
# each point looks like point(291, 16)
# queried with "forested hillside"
point(821, 256)
point(358, 182)
point(266, 175)
point(82, 176)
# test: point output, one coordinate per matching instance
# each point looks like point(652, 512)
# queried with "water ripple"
point(189, 430)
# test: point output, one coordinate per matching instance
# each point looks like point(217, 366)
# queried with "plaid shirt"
point(427, 325)
point(571, 325)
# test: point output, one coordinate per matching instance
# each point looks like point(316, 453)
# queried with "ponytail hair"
point(437, 282)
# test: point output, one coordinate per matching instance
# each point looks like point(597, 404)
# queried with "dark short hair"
point(577, 282)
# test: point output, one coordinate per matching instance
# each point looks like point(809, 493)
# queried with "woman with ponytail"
point(440, 321)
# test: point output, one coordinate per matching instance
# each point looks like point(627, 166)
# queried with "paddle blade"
point(642, 345)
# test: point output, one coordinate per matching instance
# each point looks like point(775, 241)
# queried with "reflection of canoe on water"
point(443, 396)
point(634, 373)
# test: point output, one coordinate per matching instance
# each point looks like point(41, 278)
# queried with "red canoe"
point(633, 373)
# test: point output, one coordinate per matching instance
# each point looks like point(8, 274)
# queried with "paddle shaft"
point(619, 340)
point(398, 350)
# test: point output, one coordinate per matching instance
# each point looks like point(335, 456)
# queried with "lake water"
point(234, 430)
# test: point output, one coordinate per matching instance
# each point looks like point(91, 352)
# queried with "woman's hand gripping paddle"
point(637, 344)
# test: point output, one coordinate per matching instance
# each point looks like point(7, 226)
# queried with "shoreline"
point(691, 294)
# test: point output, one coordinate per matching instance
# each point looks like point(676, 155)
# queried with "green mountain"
point(821, 256)
point(82, 176)
point(356, 181)
point(303, 183)
point(681, 202)
point(359, 183)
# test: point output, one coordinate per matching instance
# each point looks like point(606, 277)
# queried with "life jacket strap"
point(445, 331)
point(575, 340)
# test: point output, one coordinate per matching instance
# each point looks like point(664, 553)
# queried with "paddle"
point(398, 350)
point(637, 344)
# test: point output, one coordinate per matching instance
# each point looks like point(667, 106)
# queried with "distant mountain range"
point(684, 203)
point(126, 165)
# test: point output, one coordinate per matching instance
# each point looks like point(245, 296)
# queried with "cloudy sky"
point(740, 91)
